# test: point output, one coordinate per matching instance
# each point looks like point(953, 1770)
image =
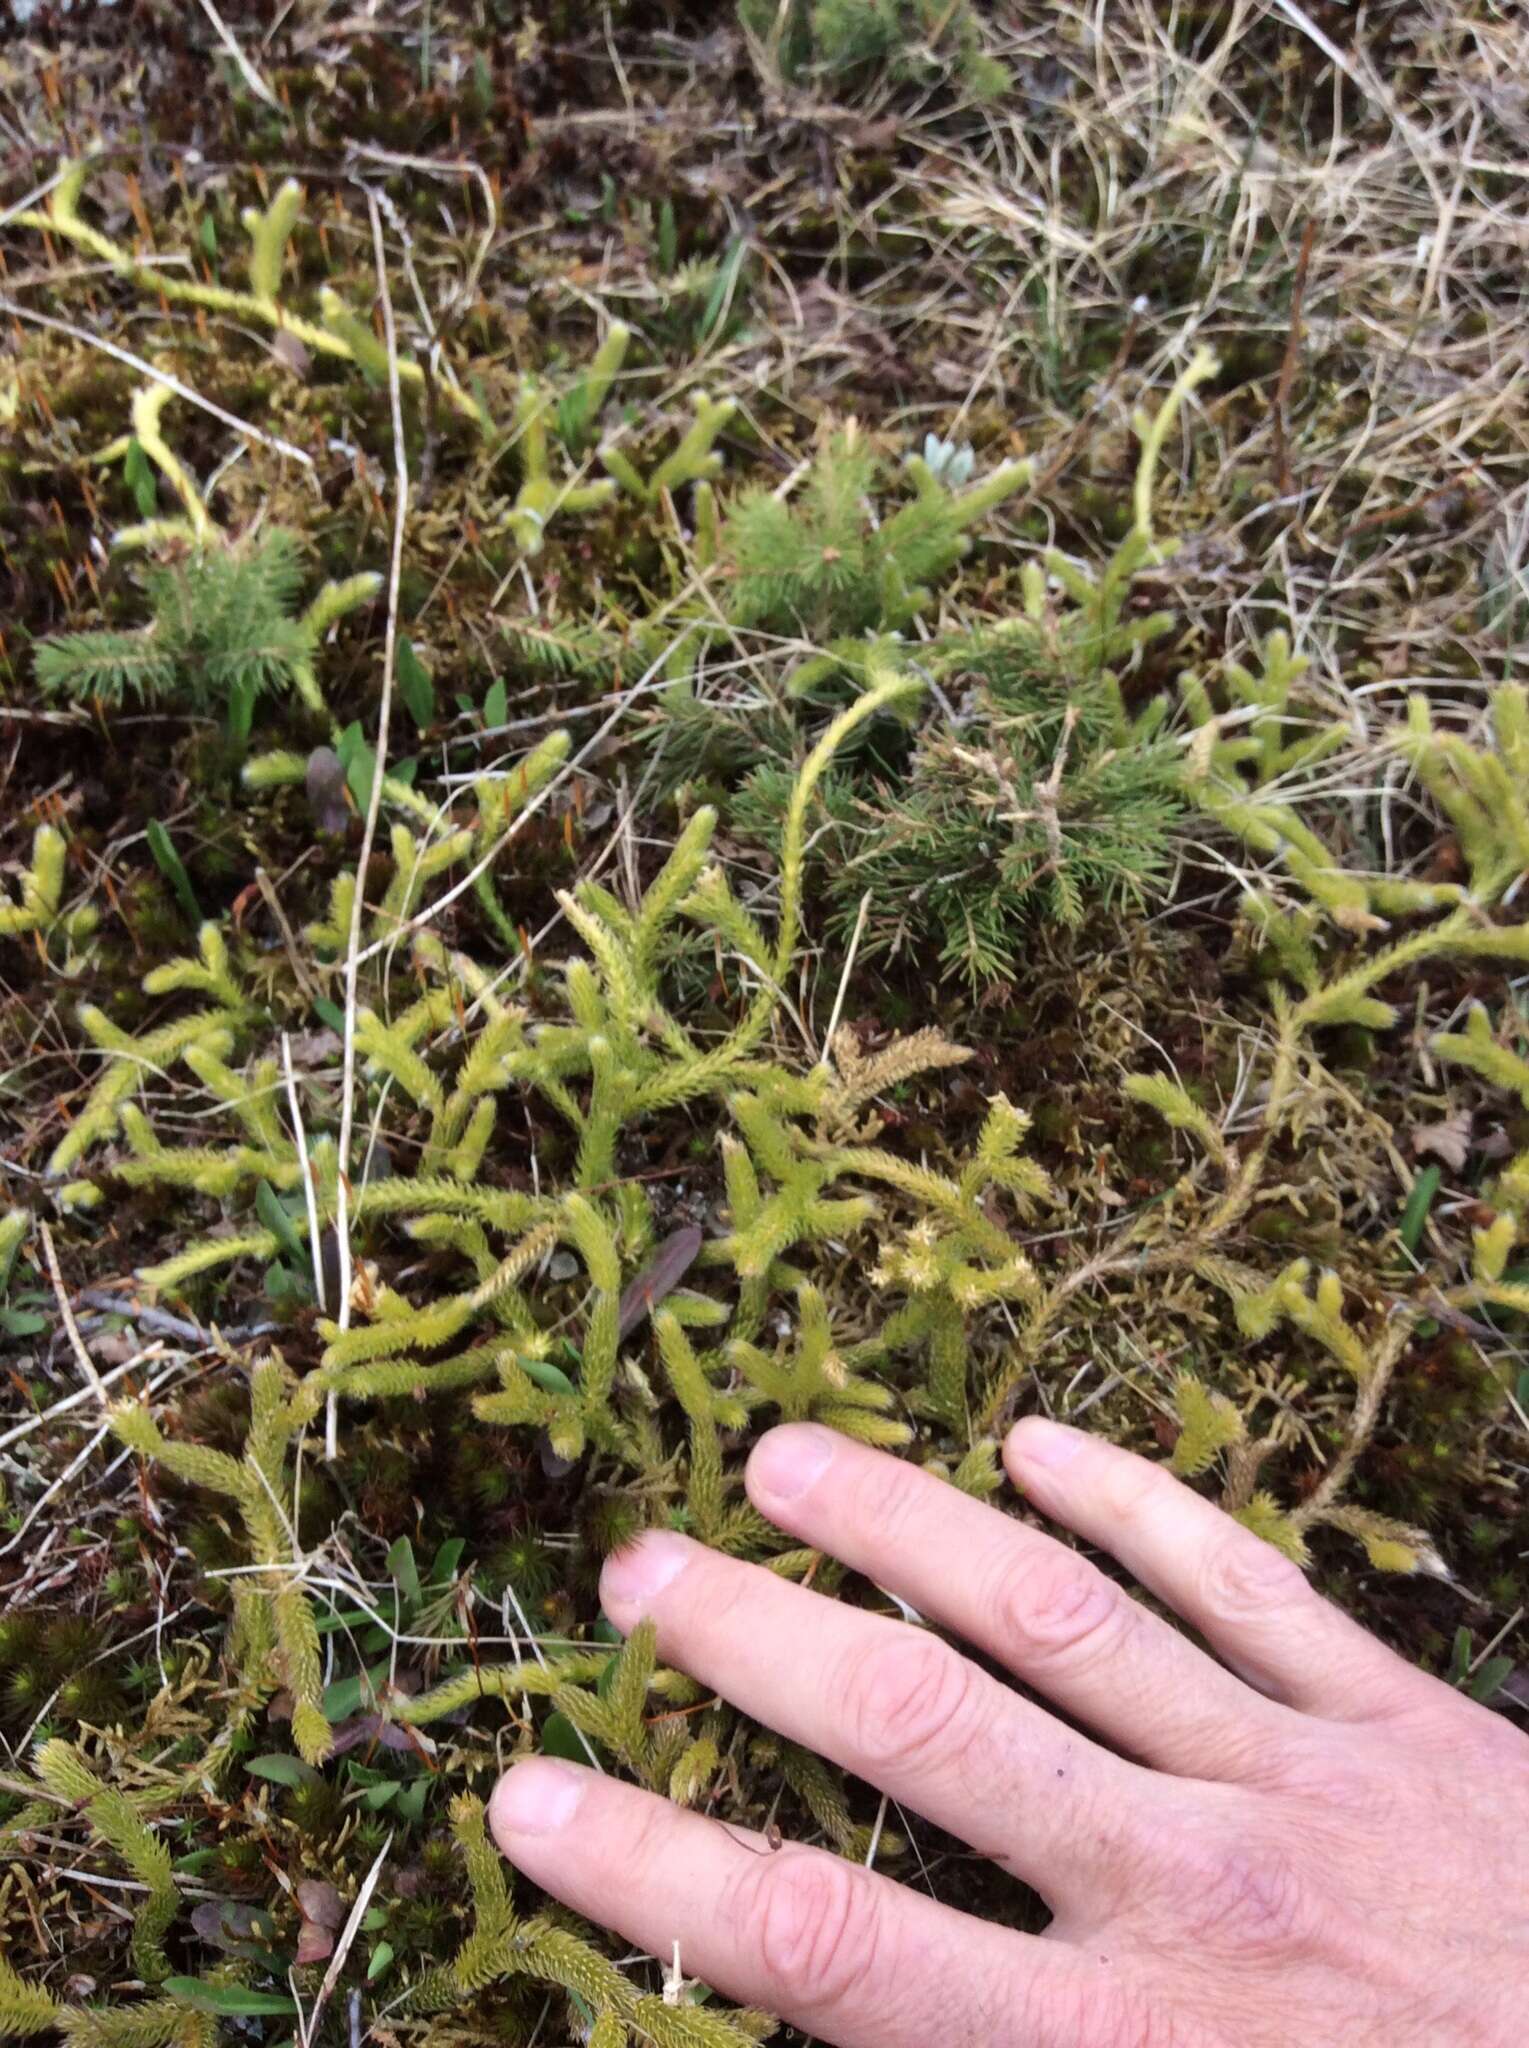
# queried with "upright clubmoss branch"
point(262, 305)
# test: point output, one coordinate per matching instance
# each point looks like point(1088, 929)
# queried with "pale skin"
point(1288, 1837)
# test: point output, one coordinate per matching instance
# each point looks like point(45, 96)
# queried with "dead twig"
point(1282, 479)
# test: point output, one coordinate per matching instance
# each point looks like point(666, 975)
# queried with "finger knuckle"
point(1062, 1611)
point(909, 1702)
point(1245, 1578)
point(814, 1924)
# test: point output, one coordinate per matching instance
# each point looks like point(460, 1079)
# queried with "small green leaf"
point(367, 1774)
point(1491, 1678)
point(496, 705)
point(548, 1376)
point(329, 1013)
point(241, 712)
point(138, 475)
point(668, 239)
point(348, 1695)
point(415, 686)
point(276, 1220)
point(723, 291)
point(411, 1800)
point(381, 1956)
point(405, 1571)
point(20, 1322)
point(234, 2001)
point(443, 1568)
point(207, 235)
point(359, 763)
point(281, 1769)
point(173, 868)
point(1419, 1202)
point(363, 766)
point(561, 1738)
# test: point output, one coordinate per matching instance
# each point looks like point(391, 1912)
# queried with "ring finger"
point(898, 1707)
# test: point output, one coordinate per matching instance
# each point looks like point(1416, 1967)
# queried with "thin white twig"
point(75, 1465)
point(147, 369)
point(87, 1363)
point(33, 198)
point(247, 71)
point(353, 953)
point(881, 1821)
point(849, 968)
point(310, 1196)
point(347, 1936)
point(536, 1651)
point(74, 1400)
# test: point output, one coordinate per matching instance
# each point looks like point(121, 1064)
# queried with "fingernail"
point(636, 1576)
point(788, 1460)
point(1047, 1443)
point(538, 1797)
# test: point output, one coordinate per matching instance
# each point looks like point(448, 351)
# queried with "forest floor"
point(1224, 295)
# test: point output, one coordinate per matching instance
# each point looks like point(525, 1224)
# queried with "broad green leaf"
point(282, 1769)
point(233, 2001)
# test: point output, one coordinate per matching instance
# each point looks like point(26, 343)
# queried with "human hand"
point(1330, 1847)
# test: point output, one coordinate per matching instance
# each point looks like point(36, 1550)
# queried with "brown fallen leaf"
point(237, 1929)
point(662, 1274)
point(290, 352)
point(1449, 1139)
point(323, 1912)
point(326, 790)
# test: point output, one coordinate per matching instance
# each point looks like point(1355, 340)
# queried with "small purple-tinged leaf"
point(663, 1273)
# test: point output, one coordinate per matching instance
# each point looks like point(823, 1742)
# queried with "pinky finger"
point(838, 1950)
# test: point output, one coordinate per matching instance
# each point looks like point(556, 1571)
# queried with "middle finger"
point(901, 1709)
